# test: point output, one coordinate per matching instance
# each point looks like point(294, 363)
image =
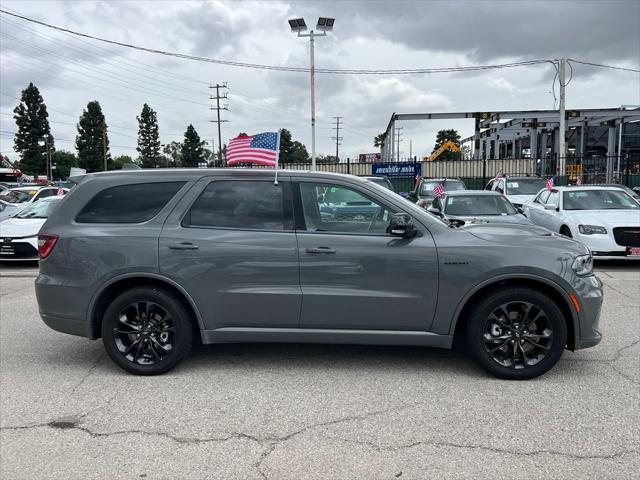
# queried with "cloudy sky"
point(72, 71)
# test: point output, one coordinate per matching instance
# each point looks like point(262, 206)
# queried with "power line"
point(613, 67)
point(402, 71)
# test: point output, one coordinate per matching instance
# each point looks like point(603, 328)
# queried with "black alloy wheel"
point(516, 333)
point(147, 330)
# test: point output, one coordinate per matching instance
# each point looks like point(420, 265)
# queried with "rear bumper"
point(71, 326)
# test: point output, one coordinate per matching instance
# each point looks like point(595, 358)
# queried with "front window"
point(17, 196)
point(39, 209)
point(479, 205)
point(334, 208)
point(599, 200)
point(428, 187)
point(525, 186)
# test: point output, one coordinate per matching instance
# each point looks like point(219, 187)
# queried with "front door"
point(231, 245)
point(353, 274)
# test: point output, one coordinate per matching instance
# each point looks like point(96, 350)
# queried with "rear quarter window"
point(134, 203)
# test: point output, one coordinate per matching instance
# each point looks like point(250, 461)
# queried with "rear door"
point(231, 244)
point(353, 274)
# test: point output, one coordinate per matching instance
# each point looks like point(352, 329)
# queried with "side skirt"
point(309, 335)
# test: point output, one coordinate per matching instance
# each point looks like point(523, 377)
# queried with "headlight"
point(592, 229)
point(583, 265)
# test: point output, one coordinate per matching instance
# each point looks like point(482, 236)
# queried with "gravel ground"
point(315, 411)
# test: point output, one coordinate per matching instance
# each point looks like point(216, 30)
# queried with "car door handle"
point(183, 246)
point(320, 250)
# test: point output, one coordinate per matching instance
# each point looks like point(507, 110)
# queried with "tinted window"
point(134, 203)
point(239, 204)
point(334, 208)
point(429, 186)
point(599, 200)
point(47, 192)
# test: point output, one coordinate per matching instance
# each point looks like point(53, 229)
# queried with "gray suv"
point(153, 260)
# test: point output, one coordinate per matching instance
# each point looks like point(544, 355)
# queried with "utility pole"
point(337, 138)
point(563, 147)
point(217, 108)
point(398, 139)
point(104, 144)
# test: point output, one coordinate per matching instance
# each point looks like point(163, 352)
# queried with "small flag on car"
point(60, 191)
point(438, 191)
point(499, 174)
point(549, 185)
point(579, 181)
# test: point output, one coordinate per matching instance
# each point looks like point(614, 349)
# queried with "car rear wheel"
point(517, 333)
point(147, 331)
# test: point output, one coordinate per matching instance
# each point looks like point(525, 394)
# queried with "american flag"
point(262, 148)
point(438, 191)
point(549, 185)
point(499, 174)
point(579, 181)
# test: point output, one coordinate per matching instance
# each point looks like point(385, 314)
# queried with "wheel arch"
point(121, 283)
point(558, 294)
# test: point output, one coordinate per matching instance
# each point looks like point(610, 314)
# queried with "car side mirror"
point(435, 211)
point(520, 210)
point(401, 225)
point(549, 206)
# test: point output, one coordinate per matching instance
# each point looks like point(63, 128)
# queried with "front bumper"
point(605, 247)
point(590, 297)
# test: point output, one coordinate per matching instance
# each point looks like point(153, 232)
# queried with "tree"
point(173, 154)
point(92, 141)
point(148, 138)
point(63, 161)
point(33, 140)
point(291, 151)
point(120, 160)
point(447, 135)
point(192, 148)
point(378, 140)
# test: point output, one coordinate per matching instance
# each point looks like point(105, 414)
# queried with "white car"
point(518, 190)
point(19, 234)
point(605, 219)
point(14, 200)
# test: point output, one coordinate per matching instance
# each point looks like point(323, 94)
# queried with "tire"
point(147, 330)
point(566, 231)
point(548, 333)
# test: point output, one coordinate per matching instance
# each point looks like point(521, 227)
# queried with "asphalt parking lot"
point(315, 411)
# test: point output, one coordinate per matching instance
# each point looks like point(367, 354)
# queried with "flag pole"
point(275, 181)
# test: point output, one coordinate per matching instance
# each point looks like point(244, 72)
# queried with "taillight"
point(46, 243)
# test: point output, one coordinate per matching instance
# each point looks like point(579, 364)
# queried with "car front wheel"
point(147, 330)
point(516, 333)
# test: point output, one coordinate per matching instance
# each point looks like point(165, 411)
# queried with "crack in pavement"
point(93, 366)
point(436, 444)
point(617, 290)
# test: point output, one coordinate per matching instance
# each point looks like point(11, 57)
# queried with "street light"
point(298, 26)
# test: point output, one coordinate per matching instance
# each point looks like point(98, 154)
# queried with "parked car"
point(423, 193)
point(380, 180)
point(19, 234)
point(15, 199)
point(477, 206)
point(518, 189)
point(630, 191)
point(146, 259)
point(606, 219)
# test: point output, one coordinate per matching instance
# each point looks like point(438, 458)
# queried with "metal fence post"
point(484, 172)
point(348, 166)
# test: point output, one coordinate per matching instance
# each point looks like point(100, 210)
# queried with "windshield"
point(599, 200)
point(525, 186)
point(429, 186)
point(40, 209)
point(479, 205)
point(17, 196)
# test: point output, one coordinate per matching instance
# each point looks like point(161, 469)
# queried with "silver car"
point(150, 260)
point(477, 206)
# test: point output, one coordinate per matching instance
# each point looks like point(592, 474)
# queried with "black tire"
point(536, 346)
point(152, 349)
point(566, 231)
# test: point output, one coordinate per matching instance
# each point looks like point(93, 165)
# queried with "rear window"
point(135, 203)
point(238, 204)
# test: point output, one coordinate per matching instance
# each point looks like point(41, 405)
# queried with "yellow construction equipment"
point(448, 145)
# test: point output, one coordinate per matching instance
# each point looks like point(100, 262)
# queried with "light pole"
point(298, 26)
